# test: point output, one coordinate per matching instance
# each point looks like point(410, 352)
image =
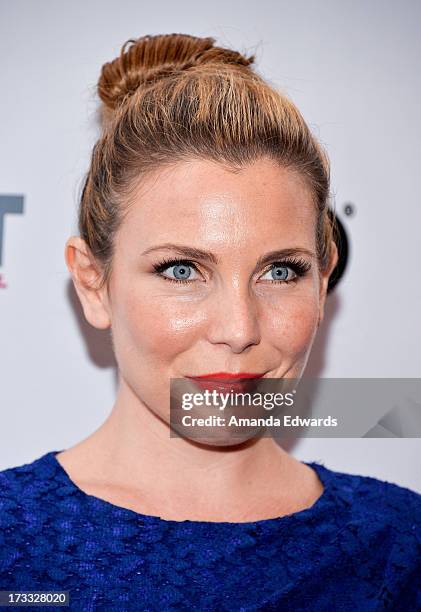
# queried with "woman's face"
point(232, 309)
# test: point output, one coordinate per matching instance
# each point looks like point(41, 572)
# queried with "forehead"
point(203, 202)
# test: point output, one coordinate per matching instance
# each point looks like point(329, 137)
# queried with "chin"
point(220, 438)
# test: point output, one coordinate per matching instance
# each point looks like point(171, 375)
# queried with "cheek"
point(155, 328)
point(293, 325)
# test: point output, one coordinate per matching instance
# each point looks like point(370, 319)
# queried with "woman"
point(206, 248)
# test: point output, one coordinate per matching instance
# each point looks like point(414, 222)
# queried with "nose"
point(234, 319)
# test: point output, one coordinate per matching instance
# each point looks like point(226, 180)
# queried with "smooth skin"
point(232, 317)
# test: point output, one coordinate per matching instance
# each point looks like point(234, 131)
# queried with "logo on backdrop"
point(9, 204)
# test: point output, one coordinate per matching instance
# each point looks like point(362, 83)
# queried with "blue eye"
point(181, 270)
point(281, 272)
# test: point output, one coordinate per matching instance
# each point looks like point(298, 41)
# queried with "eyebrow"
point(195, 253)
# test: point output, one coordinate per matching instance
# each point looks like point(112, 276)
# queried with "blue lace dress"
point(357, 548)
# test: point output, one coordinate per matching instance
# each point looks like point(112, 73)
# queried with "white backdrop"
point(352, 68)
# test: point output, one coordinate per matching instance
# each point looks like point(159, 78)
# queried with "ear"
point(85, 273)
point(334, 256)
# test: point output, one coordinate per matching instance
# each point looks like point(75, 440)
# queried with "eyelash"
point(299, 266)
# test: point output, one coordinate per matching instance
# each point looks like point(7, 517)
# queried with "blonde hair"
point(174, 97)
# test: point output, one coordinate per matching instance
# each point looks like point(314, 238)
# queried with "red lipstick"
point(226, 381)
point(228, 376)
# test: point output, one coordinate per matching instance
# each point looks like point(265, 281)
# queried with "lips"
point(228, 376)
point(224, 382)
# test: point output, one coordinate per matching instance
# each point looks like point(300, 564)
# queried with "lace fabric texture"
point(357, 548)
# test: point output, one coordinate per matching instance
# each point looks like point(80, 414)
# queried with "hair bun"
point(152, 57)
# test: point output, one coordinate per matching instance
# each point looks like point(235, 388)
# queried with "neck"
point(133, 451)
